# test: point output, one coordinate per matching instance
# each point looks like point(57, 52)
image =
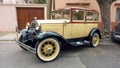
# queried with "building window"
point(31, 1)
point(118, 15)
point(41, 1)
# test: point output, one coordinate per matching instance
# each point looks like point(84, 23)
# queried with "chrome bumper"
point(29, 48)
point(117, 37)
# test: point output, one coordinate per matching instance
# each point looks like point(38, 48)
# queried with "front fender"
point(24, 31)
point(24, 34)
point(44, 35)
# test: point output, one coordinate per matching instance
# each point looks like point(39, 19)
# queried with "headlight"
point(37, 27)
point(28, 26)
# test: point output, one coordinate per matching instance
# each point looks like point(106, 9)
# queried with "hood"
point(52, 21)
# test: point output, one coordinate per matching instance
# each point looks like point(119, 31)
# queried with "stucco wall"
point(62, 3)
point(8, 16)
point(113, 11)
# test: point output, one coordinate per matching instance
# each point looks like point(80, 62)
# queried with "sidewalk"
point(7, 36)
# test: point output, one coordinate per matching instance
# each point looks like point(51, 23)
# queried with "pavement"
point(106, 55)
point(8, 36)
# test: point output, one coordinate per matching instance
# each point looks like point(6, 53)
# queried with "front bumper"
point(27, 47)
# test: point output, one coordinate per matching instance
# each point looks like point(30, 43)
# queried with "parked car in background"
point(72, 26)
point(115, 34)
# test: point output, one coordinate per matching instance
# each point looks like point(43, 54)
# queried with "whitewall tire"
point(48, 49)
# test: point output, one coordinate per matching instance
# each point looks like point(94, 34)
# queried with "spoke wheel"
point(95, 40)
point(48, 49)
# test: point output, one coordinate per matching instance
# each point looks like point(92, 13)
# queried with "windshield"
point(61, 14)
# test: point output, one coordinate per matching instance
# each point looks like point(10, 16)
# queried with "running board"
point(29, 48)
point(80, 43)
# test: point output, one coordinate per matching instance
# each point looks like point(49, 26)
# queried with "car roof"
point(81, 8)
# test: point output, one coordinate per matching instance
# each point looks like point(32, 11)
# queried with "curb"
point(7, 40)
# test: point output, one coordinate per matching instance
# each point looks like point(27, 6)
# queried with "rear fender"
point(93, 31)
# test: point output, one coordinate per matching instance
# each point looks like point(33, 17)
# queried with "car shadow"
point(69, 48)
point(117, 42)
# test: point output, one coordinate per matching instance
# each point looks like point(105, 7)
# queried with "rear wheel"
point(48, 49)
point(95, 39)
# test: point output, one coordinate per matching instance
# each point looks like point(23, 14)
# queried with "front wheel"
point(95, 39)
point(48, 49)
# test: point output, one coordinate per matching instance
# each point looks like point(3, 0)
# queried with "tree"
point(105, 6)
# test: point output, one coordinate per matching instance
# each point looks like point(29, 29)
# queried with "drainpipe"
point(49, 7)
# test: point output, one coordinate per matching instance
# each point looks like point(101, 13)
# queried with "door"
point(76, 28)
point(25, 14)
point(78, 23)
point(67, 30)
point(91, 21)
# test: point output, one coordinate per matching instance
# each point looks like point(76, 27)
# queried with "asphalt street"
point(106, 55)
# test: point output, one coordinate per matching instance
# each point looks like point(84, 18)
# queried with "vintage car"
point(115, 34)
point(71, 26)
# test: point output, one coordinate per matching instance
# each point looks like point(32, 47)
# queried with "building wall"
point(114, 13)
point(8, 20)
point(8, 16)
point(19, 1)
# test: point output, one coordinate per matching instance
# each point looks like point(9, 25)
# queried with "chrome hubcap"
point(48, 49)
point(95, 40)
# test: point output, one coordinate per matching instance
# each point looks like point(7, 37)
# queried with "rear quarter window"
point(92, 16)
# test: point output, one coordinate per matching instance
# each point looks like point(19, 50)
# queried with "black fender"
point(44, 35)
point(93, 31)
point(24, 31)
point(24, 36)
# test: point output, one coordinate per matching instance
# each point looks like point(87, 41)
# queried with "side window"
point(66, 14)
point(78, 16)
point(96, 17)
point(90, 17)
